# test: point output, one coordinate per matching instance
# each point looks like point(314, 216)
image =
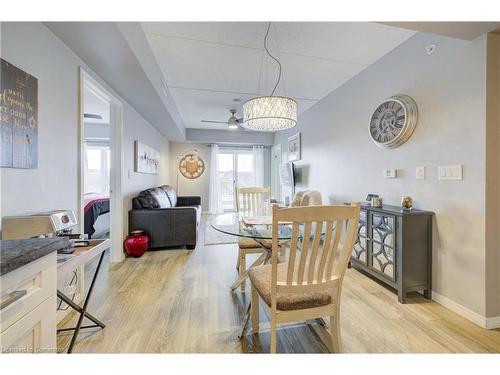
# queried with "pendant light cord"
point(274, 58)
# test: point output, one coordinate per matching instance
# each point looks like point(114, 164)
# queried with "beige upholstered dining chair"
point(307, 198)
point(250, 201)
point(308, 285)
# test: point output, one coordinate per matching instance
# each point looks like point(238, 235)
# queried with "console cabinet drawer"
point(24, 289)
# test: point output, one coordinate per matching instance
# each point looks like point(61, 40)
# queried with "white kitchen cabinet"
point(35, 332)
point(28, 314)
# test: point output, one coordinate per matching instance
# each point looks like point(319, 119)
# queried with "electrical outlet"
point(420, 173)
point(389, 173)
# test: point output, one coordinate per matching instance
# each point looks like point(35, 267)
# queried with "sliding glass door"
point(236, 168)
point(226, 181)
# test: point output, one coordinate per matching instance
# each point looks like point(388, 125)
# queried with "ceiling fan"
point(93, 116)
point(232, 122)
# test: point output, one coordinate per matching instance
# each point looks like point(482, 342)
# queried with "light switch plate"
point(389, 173)
point(450, 172)
point(420, 173)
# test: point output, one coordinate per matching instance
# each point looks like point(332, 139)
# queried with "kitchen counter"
point(17, 253)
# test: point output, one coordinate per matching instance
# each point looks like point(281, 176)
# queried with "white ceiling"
point(461, 30)
point(208, 64)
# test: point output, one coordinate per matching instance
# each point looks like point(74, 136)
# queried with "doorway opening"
point(96, 164)
point(100, 171)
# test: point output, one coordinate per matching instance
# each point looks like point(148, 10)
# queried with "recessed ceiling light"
point(430, 49)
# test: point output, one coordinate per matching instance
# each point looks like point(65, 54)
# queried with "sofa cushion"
point(171, 194)
point(154, 198)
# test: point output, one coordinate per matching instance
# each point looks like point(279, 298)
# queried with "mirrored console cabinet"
point(394, 245)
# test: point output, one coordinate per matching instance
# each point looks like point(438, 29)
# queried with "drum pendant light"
point(270, 113)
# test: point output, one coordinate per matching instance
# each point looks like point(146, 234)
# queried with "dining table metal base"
point(243, 277)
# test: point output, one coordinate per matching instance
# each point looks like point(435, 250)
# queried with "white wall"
point(185, 186)
point(96, 131)
point(200, 186)
point(53, 185)
point(340, 160)
point(136, 128)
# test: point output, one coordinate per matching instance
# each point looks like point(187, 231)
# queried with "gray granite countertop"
point(17, 253)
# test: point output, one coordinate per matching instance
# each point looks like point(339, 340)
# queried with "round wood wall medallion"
point(394, 121)
point(191, 166)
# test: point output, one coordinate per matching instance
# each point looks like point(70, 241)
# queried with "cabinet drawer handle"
point(13, 297)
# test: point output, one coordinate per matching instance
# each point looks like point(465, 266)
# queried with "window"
point(97, 168)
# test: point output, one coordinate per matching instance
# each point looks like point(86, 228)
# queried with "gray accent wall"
point(340, 160)
point(493, 178)
point(53, 185)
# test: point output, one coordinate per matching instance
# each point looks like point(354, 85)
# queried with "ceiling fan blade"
point(92, 116)
point(214, 122)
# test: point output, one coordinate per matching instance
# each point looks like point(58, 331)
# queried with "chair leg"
point(335, 331)
point(255, 311)
point(243, 267)
point(273, 335)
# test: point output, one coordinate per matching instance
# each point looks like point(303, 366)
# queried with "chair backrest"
point(320, 247)
point(253, 201)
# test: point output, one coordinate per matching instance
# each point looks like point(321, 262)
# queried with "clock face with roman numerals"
point(387, 121)
point(393, 121)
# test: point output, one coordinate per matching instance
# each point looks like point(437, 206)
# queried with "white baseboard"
point(492, 323)
point(482, 321)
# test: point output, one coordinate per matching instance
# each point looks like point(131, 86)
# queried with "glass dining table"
point(260, 230)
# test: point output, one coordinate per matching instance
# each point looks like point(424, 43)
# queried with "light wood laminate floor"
point(179, 301)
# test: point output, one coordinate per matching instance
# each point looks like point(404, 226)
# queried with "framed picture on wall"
point(18, 118)
point(147, 159)
point(294, 147)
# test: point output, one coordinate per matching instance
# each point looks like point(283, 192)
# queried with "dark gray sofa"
point(171, 221)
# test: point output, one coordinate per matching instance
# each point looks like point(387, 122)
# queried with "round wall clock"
point(394, 121)
point(191, 166)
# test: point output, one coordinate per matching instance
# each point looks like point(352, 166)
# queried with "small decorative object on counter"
point(137, 243)
point(407, 202)
point(376, 202)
